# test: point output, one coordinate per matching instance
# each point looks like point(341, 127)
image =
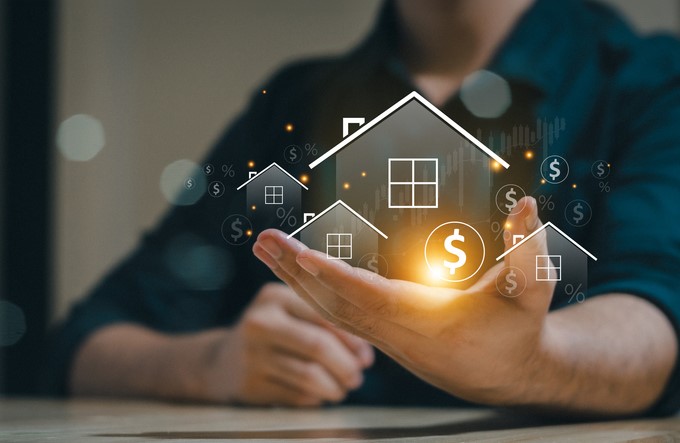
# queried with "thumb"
point(523, 221)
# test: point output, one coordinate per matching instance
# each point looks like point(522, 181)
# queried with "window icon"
point(273, 195)
point(339, 246)
point(413, 183)
point(545, 264)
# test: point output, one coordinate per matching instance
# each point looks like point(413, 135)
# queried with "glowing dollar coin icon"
point(454, 251)
point(554, 169)
point(578, 213)
point(507, 198)
point(511, 282)
point(190, 183)
point(236, 229)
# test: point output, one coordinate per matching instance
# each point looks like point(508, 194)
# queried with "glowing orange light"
point(542, 181)
point(249, 232)
point(345, 185)
point(251, 164)
point(264, 91)
point(304, 178)
point(253, 207)
point(289, 127)
point(363, 173)
point(609, 165)
point(529, 155)
point(495, 166)
point(508, 226)
point(574, 186)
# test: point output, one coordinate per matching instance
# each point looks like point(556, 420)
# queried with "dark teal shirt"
point(597, 90)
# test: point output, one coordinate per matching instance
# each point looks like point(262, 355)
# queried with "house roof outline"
point(395, 107)
point(339, 202)
point(559, 231)
point(265, 170)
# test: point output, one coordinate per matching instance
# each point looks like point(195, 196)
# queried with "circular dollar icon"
point(216, 189)
point(454, 251)
point(507, 198)
point(578, 213)
point(554, 169)
point(511, 282)
point(293, 154)
point(375, 263)
point(600, 169)
point(190, 183)
point(236, 229)
point(208, 169)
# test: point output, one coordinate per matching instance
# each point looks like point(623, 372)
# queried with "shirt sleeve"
point(638, 240)
point(182, 276)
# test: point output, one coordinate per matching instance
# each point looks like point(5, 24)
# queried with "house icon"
point(273, 194)
point(410, 169)
point(566, 261)
point(340, 232)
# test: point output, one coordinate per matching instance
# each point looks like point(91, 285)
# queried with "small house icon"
point(341, 232)
point(273, 194)
point(566, 261)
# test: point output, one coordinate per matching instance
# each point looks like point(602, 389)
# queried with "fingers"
point(308, 378)
point(309, 342)
point(272, 392)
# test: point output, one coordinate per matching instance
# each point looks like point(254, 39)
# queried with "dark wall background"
point(25, 184)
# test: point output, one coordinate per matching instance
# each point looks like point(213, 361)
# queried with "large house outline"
point(394, 108)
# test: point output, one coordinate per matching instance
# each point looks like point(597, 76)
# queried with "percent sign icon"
point(498, 231)
point(546, 202)
point(286, 217)
point(228, 170)
point(575, 292)
point(604, 187)
point(310, 149)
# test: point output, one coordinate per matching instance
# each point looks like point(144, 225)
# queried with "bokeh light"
point(80, 137)
point(485, 94)
point(198, 264)
point(12, 323)
point(175, 181)
point(289, 127)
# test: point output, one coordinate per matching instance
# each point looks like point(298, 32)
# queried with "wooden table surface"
point(23, 420)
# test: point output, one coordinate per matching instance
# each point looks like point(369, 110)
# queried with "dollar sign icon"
point(511, 282)
point(236, 229)
point(461, 257)
point(216, 189)
point(554, 166)
point(508, 196)
point(454, 251)
point(578, 213)
point(512, 202)
point(554, 169)
point(600, 169)
point(208, 169)
point(238, 232)
point(189, 183)
point(293, 154)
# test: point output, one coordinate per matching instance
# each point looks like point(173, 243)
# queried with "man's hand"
point(475, 344)
point(479, 345)
point(282, 352)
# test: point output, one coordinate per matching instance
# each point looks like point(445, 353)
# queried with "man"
point(147, 332)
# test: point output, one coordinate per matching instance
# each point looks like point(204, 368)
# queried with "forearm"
point(130, 360)
point(609, 356)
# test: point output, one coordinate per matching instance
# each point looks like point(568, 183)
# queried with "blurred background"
point(99, 96)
